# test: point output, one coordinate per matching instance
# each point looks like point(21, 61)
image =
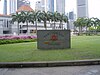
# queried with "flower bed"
point(17, 39)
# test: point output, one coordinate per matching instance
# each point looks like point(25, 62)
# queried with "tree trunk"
point(54, 25)
point(86, 30)
point(68, 26)
point(80, 30)
point(45, 26)
point(27, 27)
point(18, 28)
point(61, 26)
point(95, 31)
point(36, 26)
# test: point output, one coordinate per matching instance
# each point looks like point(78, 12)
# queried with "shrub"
point(16, 39)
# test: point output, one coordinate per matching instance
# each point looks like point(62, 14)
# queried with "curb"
point(49, 63)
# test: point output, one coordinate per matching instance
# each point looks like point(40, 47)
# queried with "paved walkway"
point(67, 70)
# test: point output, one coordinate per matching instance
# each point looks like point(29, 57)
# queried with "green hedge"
point(16, 41)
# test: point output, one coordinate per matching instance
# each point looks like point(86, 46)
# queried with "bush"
point(16, 39)
point(98, 28)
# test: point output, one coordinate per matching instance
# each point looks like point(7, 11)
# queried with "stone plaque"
point(53, 39)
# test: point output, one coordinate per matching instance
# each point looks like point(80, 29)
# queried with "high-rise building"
point(5, 7)
point(44, 5)
point(38, 5)
point(41, 5)
point(82, 8)
point(15, 4)
point(71, 15)
point(50, 4)
point(12, 6)
point(60, 6)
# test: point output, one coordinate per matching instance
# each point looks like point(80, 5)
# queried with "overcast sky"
point(93, 6)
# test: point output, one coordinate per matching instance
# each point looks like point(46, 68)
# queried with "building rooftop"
point(24, 8)
point(1, 14)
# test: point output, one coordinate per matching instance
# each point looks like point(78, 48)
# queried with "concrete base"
point(49, 63)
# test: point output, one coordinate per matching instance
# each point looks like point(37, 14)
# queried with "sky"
point(93, 7)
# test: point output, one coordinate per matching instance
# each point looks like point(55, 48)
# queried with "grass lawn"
point(82, 47)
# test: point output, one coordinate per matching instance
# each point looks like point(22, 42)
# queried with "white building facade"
point(5, 24)
point(7, 27)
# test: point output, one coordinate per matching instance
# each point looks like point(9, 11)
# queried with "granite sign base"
point(53, 39)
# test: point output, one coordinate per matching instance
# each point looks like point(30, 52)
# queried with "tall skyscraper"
point(5, 7)
point(38, 6)
point(50, 4)
point(82, 8)
point(60, 6)
point(71, 15)
point(41, 5)
point(12, 6)
point(15, 4)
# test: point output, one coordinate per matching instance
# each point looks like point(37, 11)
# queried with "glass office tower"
point(60, 6)
point(82, 8)
point(51, 5)
point(5, 7)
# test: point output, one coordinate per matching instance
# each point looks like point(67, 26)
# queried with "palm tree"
point(26, 18)
point(87, 24)
point(49, 18)
point(17, 17)
point(35, 17)
point(63, 18)
point(32, 17)
point(55, 18)
point(80, 22)
point(44, 18)
point(95, 23)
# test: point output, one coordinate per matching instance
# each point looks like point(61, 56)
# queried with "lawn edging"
point(49, 63)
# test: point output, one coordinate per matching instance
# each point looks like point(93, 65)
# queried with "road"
point(67, 70)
